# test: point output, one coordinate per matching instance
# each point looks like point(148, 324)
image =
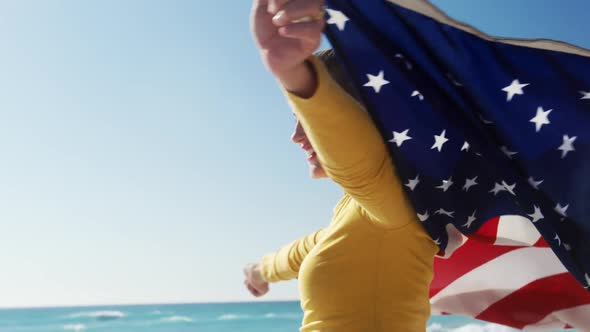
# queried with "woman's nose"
point(298, 135)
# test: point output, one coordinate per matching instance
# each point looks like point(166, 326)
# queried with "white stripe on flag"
point(516, 231)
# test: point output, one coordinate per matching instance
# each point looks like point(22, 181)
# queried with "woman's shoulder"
point(346, 198)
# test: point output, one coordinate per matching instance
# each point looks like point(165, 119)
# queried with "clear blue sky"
point(145, 152)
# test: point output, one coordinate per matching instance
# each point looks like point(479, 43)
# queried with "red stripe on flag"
point(487, 232)
point(541, 243)
point(478, 250)
point(465, 259)
point(533, 302)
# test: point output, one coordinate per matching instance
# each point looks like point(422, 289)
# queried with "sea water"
point(218, 317)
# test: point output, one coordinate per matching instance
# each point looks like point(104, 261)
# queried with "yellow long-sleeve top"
point(371, 268)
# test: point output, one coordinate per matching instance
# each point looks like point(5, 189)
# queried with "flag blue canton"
point(477, 127)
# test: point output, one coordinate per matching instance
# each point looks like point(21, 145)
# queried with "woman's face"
point(299, 137)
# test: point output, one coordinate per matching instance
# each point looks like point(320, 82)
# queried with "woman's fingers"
point(309, 31)
point(298, 11)
point(275, 5)
point(249, 286)
point(256, 290)
point(253, 290)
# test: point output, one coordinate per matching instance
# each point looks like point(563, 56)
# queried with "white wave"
point(178, 319)
point(232, 317)
point(482, 328)
point(156, 312)
point(272, 315)
point(435, 327)
point(75, 327)
point(100, 315)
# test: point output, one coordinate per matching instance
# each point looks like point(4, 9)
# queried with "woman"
point(370, 269)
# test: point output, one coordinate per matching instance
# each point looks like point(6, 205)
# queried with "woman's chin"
point(316, 172)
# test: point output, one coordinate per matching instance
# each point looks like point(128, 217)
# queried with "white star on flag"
point(465, 146)
point(537, 215)
point(542, 118)
point(470, 220)
point(561, 209)
point(469, 183)
point(455, 82)
point(446, 184)
point(445, 212)
point(497, 188)
point(535, 184)
point(400, 138)
point(567, 146)
point(510, 189)
point(439, 141)
point(484, 120)
point(585, 95)
point(337, 17)
point(514, 89)
point(417, 93)
point(413, 183)
point(376, 82)
point(423, 217)
point(407, 63)
point(558, 240)
point(507, 152)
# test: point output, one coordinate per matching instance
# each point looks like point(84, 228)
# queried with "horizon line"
point(65, 306)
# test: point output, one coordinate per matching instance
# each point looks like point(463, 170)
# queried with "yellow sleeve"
point(351, 150)
point(284, 264)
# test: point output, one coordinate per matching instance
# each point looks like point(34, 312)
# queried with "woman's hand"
point(254, 281)
point(287, 32)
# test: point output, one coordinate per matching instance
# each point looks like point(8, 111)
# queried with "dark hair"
point(328, 57)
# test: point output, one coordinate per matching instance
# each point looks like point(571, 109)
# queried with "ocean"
point(218, 317)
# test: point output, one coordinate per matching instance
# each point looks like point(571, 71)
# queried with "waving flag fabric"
point(492, 140)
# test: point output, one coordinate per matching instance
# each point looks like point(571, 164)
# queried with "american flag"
point(491, 138)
